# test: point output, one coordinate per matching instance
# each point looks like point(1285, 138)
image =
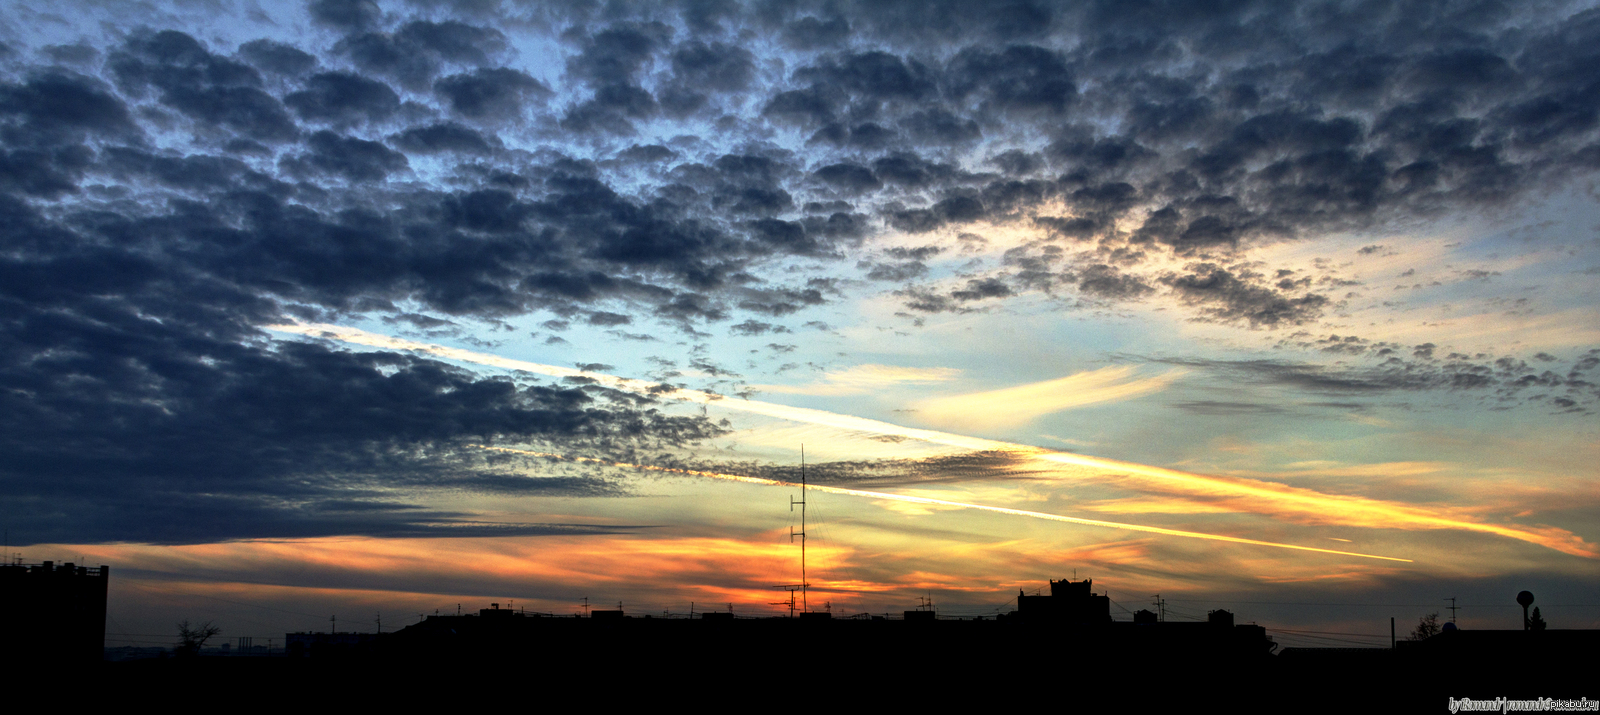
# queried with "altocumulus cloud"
point(162, 196)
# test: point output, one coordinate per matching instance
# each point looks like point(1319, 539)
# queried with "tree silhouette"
point(1426, 627)
point(1536, 621)
point(192, 638)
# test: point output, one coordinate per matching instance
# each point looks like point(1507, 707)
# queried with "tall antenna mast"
point(804, 606)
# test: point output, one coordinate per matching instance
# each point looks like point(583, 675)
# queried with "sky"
point(377, 309)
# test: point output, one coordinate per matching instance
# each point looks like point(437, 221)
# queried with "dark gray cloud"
point(446, 137)
point(342, 97)
point(357, 160)
point(1496, 381)
point(1217, 408)
point(346, 14)
point(882, 473)
point(205, 87)
point(418, 50)
point(1242, 297)
point(701, 71)
point(756, 327)
point(277, 57)
point(811, 32)
point(490, 93)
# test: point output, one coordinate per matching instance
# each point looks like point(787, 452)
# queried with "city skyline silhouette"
point(374, 310)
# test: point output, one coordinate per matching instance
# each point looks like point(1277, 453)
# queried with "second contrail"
point(944, 502)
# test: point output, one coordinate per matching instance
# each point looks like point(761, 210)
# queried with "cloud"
point(863, 379)
point(163, 197)
point(1279, 501)
point(1505, 379)
point(490, 94)
point(341, 97)
point(1013, 406)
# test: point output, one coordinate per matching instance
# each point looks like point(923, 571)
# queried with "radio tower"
point(805, 607)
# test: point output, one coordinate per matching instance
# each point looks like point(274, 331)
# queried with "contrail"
point(941, 502)
point(1249, 495)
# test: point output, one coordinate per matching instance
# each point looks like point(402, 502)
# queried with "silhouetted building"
point(1069, 602)
point(1071, 627)
point(53, 613)
point(495, 611)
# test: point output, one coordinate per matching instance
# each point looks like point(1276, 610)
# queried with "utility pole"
point(1453, 608)
point(1161, 608)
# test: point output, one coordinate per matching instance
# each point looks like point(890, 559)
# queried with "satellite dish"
point(1525, 598)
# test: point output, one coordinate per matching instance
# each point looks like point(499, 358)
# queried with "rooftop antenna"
point(1453, 608)
point(790, 603)
point(585, 606)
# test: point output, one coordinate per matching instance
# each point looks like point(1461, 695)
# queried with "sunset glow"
point(349, 307)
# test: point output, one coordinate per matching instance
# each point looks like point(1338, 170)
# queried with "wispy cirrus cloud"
point(1012, 406)
point(1255, 496)
point(861, 379)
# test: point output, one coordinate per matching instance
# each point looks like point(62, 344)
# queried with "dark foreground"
point(781, 663)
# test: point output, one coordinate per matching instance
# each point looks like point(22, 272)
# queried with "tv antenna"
point(791, 588)
point(1453, 608)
